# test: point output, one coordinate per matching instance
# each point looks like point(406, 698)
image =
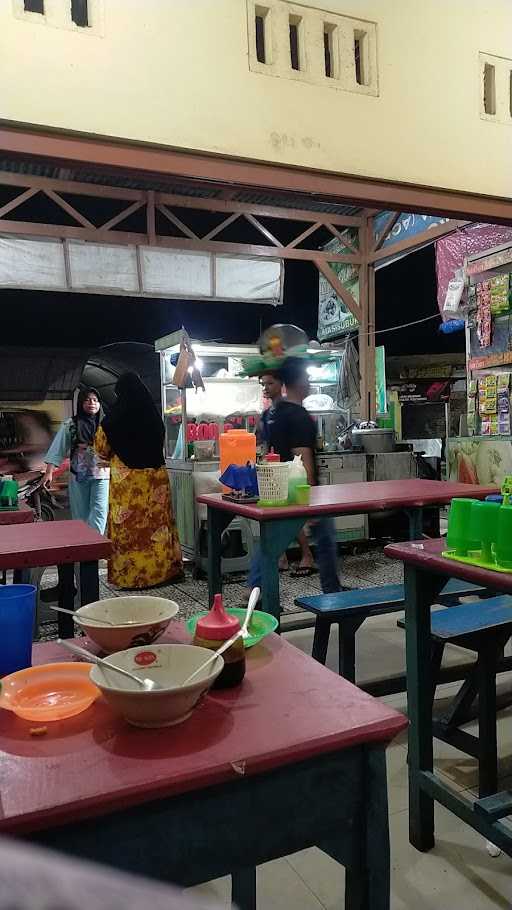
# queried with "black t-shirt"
point(288, 426)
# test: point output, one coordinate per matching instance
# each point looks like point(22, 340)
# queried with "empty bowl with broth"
point(167, 665)
point(136, 620)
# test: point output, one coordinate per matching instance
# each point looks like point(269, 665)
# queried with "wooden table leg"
point(347, 648)
point(65, 623)
point(217, 523)
point(243, 888)
point(22, 576)
point(415, 518)
point(368, 884)
point(321, 639)
point(89, 583)
point(421, 591)
point(487, 734)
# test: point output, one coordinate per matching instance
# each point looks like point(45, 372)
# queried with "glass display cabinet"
point(195, 418)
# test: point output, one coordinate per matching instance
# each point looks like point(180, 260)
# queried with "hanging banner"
point(380, 380)
point(334, 317)
point(407, 226)
point(422, 391)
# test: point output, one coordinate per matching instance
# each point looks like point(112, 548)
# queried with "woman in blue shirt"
point(88, 483)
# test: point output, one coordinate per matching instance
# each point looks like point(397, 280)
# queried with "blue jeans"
point(88, 501)
point(324, 537)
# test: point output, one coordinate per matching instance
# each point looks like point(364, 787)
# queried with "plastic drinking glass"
point(504, 538)
point(17, 612)
point(302, 494)
point(459, 535)
point(484, 526)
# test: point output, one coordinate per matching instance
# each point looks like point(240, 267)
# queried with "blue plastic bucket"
point(17, 612)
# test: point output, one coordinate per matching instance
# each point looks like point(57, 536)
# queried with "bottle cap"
point(218, 625)
point(272, 456)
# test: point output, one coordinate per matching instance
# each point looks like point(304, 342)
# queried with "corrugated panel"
point(193, 189)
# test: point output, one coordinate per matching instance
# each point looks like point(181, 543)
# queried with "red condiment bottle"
point(211, 631)
point(272, 456)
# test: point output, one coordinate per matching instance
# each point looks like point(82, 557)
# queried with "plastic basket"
point(273, 483)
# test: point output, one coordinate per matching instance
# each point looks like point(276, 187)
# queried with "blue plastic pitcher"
point(17, 612)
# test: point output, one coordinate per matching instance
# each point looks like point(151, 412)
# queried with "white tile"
point(279, 887)
point(457, 874)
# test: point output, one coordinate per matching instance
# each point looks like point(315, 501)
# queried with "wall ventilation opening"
point(361, 57)
point(34, 6)
point(330, 40)
point(261, 25)
point(295, 49)
point(80, 13)
point(489, 89)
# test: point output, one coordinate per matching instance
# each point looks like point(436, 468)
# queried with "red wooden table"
point(56, 543)
point(22, 515)
point(278, 527)
point(293, 757)
point(425, 573)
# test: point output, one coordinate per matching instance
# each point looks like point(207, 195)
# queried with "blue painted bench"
point(350, 609)
point(483, 627)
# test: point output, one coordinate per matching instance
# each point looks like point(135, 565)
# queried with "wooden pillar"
point(367, 324)
point(372, 387)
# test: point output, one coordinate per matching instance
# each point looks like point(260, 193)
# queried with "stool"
point(231, 563)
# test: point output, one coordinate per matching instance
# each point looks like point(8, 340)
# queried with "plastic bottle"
point(236, 447)
point(8, 492)
point(272, 457)
point(297, 477)
point(211, 631)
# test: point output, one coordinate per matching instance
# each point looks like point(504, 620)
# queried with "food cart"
point(195, 418)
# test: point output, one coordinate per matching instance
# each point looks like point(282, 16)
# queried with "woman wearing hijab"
point(88, 484)
point(141, 527)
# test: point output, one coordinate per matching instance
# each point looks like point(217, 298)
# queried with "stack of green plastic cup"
point(504, 538)
point(459, 536)
point(484, 527)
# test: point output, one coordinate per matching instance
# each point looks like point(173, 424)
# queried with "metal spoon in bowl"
point(82, 618)
point(147, 684)
point(79, 619)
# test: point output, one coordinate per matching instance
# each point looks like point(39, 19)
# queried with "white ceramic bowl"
point(169, 666)
point(137, 619)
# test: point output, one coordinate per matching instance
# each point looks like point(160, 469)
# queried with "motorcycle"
point(33, 492)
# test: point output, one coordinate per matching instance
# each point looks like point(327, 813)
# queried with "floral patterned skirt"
point(141, 527)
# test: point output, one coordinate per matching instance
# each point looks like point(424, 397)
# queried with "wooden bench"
point(350, 609)
point(483, 627)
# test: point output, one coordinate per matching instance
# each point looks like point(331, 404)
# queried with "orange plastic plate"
point(49, 692)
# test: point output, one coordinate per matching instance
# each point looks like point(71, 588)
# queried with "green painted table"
point(278, 527)
point(426, 571)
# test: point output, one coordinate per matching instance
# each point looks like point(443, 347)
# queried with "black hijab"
point(86, 424)
point(133, 426)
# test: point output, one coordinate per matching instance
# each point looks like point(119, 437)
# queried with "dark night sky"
point(405, 291)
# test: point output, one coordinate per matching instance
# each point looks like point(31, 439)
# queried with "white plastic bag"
point(296, 477)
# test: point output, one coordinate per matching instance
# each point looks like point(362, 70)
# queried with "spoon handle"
point(100, 661)
point(78, 619)
point(224, 647)
point(253, 600)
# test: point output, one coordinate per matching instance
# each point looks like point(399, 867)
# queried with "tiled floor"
point(368, 568)
point(458, 874)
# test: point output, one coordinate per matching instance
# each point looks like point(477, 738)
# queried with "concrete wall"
point(184, 73)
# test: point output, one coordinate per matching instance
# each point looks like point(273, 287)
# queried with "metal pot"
point(374, 441)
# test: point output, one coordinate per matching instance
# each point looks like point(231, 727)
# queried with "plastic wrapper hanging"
point(453, 249)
